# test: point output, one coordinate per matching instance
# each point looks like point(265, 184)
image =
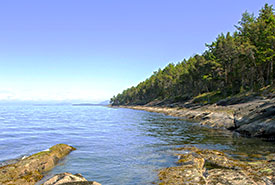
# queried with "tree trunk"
point(271, 73)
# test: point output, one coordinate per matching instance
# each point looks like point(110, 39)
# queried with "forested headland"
point(235, 63)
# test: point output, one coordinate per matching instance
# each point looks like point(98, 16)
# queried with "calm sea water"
point(114, 145)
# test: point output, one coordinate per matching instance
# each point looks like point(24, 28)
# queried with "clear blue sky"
point(90, 50)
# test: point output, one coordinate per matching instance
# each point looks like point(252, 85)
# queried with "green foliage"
point(232, 64)
point(209, 97)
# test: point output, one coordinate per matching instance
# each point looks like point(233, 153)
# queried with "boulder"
point(69, 179)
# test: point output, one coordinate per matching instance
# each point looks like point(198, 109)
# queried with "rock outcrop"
point(257, 120)
point(215, 167)
point(69, 179)
point(30, 170)
point(203, 115)
point(252, 117)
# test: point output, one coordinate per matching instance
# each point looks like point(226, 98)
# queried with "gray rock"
point(69, 179)
point(260, 122)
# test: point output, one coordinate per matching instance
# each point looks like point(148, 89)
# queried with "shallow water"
point(114, 145)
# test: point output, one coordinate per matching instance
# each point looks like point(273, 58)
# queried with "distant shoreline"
point(88, 104)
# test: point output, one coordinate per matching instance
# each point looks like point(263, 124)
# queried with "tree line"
point(233, 63)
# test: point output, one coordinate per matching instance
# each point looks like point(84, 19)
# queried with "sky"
point(90, 50)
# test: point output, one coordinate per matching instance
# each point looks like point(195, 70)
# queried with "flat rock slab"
point(215, 167)
point(29, 170)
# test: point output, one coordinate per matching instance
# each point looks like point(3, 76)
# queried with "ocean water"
point(114, 145)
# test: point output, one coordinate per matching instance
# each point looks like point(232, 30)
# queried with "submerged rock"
point(69, 179)
point(215, 167)
point(29, 170)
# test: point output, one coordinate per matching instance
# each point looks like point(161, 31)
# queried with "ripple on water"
point(114, 146)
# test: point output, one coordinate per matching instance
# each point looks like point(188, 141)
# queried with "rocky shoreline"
point(203, 166)
point(252, 118)
point(30, 170)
